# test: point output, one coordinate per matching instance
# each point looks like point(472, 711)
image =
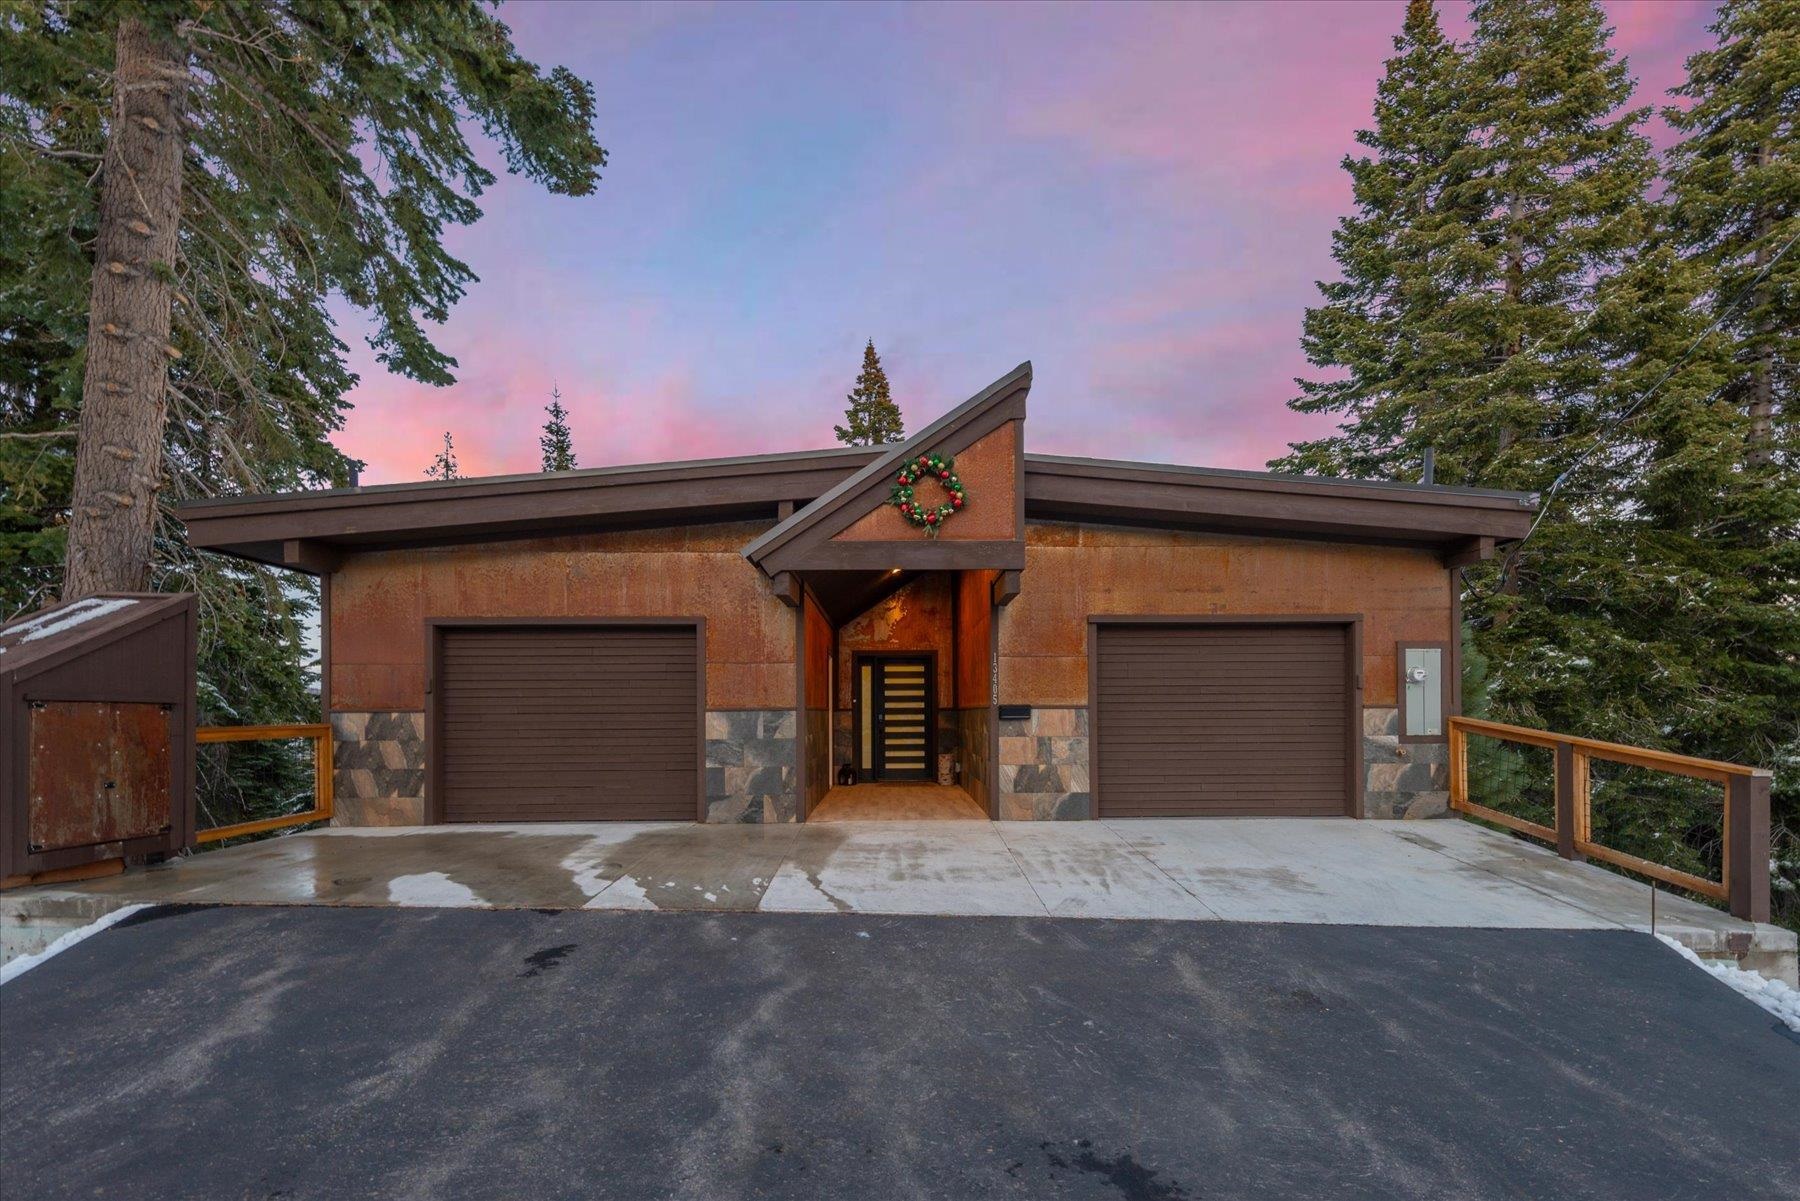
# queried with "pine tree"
point(1721, 479)
point(872, 416)
point(308, 162)
point(555, 442)
point(1378, 335)
point(1735, 184)
point(443, 467)
point(322, 153)
point(1560, 170)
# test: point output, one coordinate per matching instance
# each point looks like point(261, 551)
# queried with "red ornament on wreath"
point(941, 468)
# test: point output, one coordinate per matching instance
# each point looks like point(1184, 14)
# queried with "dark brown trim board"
point(1456, 641)
point(800, 711)
point(992, 676)
point(1445, 685)
point(1353, 667)
point(434, 630)
point(325, 649)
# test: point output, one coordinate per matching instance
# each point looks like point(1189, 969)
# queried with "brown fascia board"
point(307, 530)
point(271, 529)
point(999, 402)
point(1258, 502)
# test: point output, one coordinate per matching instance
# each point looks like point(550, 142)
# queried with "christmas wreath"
point(941, 468)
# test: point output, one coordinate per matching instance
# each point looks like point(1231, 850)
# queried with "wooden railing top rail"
point(255, 733)
point(319, 733)
point(1744, 847)
point(1618, 752)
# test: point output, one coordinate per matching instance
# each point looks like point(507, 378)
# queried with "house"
point(1056, 638)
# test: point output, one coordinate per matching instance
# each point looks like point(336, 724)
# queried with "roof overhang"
point(1457, 522)
point(806, 497)
point(309, 531)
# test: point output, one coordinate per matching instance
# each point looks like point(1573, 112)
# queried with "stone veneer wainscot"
point(751, 766)
point(1044, 766)
point(378, 768)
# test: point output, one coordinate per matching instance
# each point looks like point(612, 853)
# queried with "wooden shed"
point(97, 708)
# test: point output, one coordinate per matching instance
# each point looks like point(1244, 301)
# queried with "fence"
point(274, 786)
point(1743, 881)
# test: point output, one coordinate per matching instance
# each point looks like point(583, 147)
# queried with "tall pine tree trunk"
point(118, 460)
point(1762, 377)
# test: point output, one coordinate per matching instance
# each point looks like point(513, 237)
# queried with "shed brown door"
point(569, 723)
point(1223, 720)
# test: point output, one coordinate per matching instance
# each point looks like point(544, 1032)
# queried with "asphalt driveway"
point(341, 1052)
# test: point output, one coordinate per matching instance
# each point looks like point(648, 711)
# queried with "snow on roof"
point(66, 618)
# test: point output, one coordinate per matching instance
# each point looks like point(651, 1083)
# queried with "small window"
point(1424, 690)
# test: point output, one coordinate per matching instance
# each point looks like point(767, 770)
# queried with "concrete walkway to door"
point(1335, 871)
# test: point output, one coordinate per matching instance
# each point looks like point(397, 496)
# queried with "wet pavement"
point(313, 1052)
point(1329, 871)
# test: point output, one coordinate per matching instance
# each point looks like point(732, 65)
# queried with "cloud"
point(1139, 198)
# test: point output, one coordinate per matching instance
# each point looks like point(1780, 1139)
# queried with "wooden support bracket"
point(787, 586)
point(1469, 552)
point(314, 558)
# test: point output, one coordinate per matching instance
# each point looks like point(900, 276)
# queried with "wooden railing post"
point(1747, 845)
point(1566, 785)
point(1459, 765)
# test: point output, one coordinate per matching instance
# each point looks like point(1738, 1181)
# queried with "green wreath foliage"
point(930, 518)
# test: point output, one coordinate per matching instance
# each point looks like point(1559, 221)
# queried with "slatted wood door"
point(1223, 720)
point(896, 716)
point(569, 723)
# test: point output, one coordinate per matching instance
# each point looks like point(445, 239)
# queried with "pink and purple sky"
point(1136, 198)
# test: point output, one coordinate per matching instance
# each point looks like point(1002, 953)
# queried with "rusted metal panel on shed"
point(99, 772)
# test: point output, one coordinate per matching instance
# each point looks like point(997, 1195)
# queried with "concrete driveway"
point(316, 1052)
point(1338, 872)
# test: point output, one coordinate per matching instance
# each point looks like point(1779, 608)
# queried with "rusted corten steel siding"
point(916, 618)
point(989, 471)
point(1074, 572)
point(974, 666)
point(379, 603)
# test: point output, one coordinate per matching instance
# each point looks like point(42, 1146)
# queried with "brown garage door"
point(568, 723)
point(1222, 720)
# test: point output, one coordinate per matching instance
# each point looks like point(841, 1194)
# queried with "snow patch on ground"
point(435, 889)
point(623, 893)
point(14, 968)
point(1773, 995)
point(587, 869)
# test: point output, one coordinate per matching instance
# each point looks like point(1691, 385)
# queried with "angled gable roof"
point(805, 540)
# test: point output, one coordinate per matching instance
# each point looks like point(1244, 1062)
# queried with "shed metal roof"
point(37, 640)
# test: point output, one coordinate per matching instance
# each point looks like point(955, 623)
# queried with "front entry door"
point(895, 717)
